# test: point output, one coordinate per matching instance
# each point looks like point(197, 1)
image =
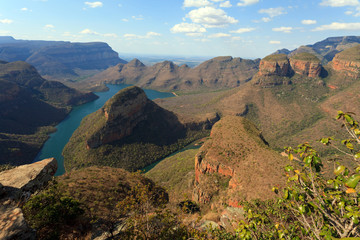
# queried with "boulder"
point(29, 177)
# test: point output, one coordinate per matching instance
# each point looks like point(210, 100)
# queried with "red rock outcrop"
point(277, 69)
point(347, 62)
point(306, 64)
point(235, 164)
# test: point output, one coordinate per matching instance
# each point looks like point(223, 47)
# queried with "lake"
point(54, 146)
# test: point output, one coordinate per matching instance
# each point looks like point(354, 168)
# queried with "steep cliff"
point(129, 131)
point(278, 69)
point(274, 70)
point(347, 62)
point(306, 64)
point(60, 60)
point(220, 72)
point(235, 164)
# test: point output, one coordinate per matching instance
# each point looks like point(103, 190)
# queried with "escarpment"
point(347, 62)
point(278, 69)
point(235, 164)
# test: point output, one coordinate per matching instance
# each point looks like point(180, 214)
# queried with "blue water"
point(54, 146)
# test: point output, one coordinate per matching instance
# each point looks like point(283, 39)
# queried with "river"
point(54, 146)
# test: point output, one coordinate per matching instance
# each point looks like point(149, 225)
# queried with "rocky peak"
point(306, 64)
point(118, 117)
point(347, 62)
point(276, 64)
point(135, 63)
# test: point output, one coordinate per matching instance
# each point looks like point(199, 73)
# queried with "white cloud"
point(93, 4)
point(266, 19)
point(211, 17)
point(188, 28)
point(196, 3)
point(24, 9)
point(274, 42)
point(219, 35)
point(148, 35)
point(6, 21)
point(91, 32)
point(125, 20)
point(217, 0)
point(226, 4)
point(49, 26)
point(308, 22)
point(244, 3)
point(243, 30)
point(349, 12)
point(273, 12)
point(140, 17)
point(339, 3)
point(283, 29)
point(339, 26)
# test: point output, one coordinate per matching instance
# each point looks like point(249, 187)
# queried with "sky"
point(238, 28)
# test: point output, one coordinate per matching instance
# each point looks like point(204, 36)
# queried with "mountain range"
point(58, 60)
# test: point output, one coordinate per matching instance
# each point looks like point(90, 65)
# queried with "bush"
point(51, 211)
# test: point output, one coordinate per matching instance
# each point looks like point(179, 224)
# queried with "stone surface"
point(30, 177)
point(18, 184)
point(306, 68)
point(13, 225)
point(231, 217)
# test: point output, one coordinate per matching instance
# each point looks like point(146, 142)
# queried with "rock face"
point(30, 177)
point(18, 184)
point(220, 72)
point(347, 62)
point(129, 131)
point(60, 60)
point(235, 164)
point(306, 64)
point(277, 69)
point(27, 103)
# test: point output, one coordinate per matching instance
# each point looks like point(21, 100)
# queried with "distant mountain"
point(60, 60)
point(325, 50)
point(216, 73)
point(29, 105)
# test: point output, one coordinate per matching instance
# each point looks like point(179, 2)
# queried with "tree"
point(326, 207)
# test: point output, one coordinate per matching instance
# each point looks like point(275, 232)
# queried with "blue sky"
point(239, 28)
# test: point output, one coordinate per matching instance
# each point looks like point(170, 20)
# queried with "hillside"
point(29, 108)
point(129, 131)
point(216, 73)
point(58, 60)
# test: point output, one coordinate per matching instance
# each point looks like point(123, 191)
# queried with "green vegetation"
point(275, 57)
point(350, 54)
point(305, 56)
point(51, 212)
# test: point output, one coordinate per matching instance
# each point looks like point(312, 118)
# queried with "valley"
point(240, 114)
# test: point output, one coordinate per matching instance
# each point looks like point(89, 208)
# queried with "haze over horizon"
point(240, 28)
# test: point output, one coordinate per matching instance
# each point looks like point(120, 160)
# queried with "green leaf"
point(357, 155)
point(339, 170)
point(350, 146)
point(353, 181)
